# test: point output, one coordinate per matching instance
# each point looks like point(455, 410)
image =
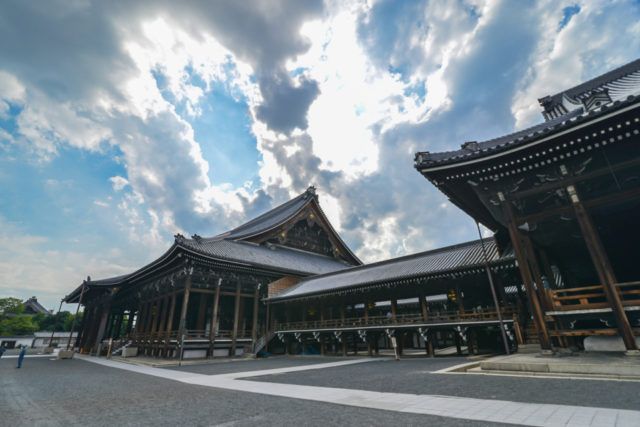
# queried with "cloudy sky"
point(123, 123)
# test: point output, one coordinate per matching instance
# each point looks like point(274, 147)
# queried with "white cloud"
point(118, 182)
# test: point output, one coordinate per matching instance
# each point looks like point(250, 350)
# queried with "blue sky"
point(122, 125)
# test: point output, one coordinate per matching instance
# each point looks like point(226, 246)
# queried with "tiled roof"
point(618, 84)
point(35, 305)
point(230, 247)
point(275, 257)
point(615, 90)
point(452, 258)
point(270, 219)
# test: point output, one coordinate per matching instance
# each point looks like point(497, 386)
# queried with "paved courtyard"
point(301, 391)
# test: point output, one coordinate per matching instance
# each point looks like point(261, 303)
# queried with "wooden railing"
point(592, 297)
point(401, 319)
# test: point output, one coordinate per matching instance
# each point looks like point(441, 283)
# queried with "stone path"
point(501, 411)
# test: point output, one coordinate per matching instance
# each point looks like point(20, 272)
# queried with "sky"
point(124, 123)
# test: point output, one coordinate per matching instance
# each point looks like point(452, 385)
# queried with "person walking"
point(22, 353)
point(2, 350)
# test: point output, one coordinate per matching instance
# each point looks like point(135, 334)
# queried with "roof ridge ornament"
point(179, 238)
point(471, 146)
point(421, 158)
point(197, 238)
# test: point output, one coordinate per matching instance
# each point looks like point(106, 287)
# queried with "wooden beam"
point(573, 179)
point(394, 309)
point(214, 320)
point(254, 322)
point(546, 266)
point(629, 194)
point(267, 327)
point(530, 254)
point(423, 305)
point(170, 324)
point(236, 315)
point(183, 315)
point(538, 316)
point(605, 274)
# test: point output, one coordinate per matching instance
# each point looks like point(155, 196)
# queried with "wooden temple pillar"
point(546, 266)
point(87, 327)
point(267, 331)
point(147, 327)
point(101, 328)
point(423, 306)
point(118, 325)
point(501, 291)
point(160, 335)
point(366, 321)
point(202, 311)
point(459, 301)
point(236, 320)
point(538, 315)
point(183, 316)
point(394, 310)
point(153, 336)
point(167, 337)
point(214, 319)
point(535, 269)
point(254, 321)
point(128, 329)
point(604, 270)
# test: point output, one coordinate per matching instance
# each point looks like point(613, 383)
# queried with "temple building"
point(564, 196)
point(561, 198)
point(202, 297)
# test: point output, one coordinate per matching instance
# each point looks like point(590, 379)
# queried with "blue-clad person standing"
point(22, 353)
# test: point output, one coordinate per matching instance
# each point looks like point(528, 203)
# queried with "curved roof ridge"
point(269, 219)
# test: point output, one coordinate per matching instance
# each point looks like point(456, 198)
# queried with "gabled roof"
point(611, 86)
point(589, 101)
point(35, 306)
point(270, 219)
point(238, 247)
point(459, 257)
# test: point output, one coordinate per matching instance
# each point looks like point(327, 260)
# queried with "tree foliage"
point(17, 325)
point(10, 305)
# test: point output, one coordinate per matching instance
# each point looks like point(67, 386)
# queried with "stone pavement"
point(501, 411)
point(597, 365)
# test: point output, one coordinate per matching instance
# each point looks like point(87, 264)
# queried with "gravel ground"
point(414, 376)
point(74, 392)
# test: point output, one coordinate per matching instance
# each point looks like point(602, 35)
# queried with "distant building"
point(32, 307)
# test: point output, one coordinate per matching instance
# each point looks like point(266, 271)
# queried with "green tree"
point(37, 319)
point(68, 322)
point(10, 306)
point(17, 325)
point(49, 321)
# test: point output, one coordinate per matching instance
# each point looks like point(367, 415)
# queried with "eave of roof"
point(430, 162)
point(461, 257)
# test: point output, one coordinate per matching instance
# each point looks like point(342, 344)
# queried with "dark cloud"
point(285, 106)
point(266, 35)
